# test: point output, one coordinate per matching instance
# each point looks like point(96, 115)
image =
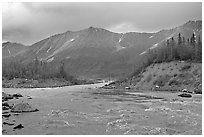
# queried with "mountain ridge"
point(190, 21)
point(97, 51)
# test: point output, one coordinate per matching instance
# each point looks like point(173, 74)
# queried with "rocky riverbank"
point(13, 106)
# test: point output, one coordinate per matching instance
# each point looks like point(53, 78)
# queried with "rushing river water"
point(89, 110)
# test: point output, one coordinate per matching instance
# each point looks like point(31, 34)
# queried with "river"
point(87, 109)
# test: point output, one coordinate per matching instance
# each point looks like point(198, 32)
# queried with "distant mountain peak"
point(6, 42)
point(193, 22)
point(11, 44)
point(91, 27)
point(94, 28)
point(69, 31)
point(197, 24)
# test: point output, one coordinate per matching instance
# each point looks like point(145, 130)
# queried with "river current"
point(87, 109)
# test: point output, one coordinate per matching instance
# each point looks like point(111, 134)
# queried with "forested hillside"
point(174, 50)
point(174, 66)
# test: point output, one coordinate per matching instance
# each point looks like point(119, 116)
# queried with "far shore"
point(95, 85)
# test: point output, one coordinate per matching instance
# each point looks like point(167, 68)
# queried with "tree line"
point(34, 70)
point(182, 49)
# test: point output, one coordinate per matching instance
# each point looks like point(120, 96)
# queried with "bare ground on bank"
point(41, 83)
point(173, 76)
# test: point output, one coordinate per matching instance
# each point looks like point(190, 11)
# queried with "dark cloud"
point(29, 22)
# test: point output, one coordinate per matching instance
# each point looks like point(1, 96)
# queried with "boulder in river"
point(6, 115)
point(9, 124)
point(18, 126)
point(17, 95)
point(127, 87)
point(23, 107)
point(5, 108)
point(29, 97)
point(5, 104)
point(185, 95)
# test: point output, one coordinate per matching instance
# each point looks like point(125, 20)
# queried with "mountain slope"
point(12, 49)
point(96, 52)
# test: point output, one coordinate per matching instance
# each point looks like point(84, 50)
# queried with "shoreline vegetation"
point(37, 74)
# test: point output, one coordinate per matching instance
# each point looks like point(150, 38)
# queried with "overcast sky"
point(28, 23)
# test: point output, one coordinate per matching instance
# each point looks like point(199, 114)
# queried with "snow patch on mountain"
point(49, 49)
point(119, 48)
point(151, 36)
point(51, 59)
point(39, 50)
point(121, 38)
point(143, 53)
point(9, 51)
point(154, 46)
point(66, 44)
point(72, 39)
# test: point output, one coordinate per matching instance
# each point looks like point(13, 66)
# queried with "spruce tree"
point(193, 41)
point(179, 39)
point(172, 45)
point(183, 41)
point(199, 49)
